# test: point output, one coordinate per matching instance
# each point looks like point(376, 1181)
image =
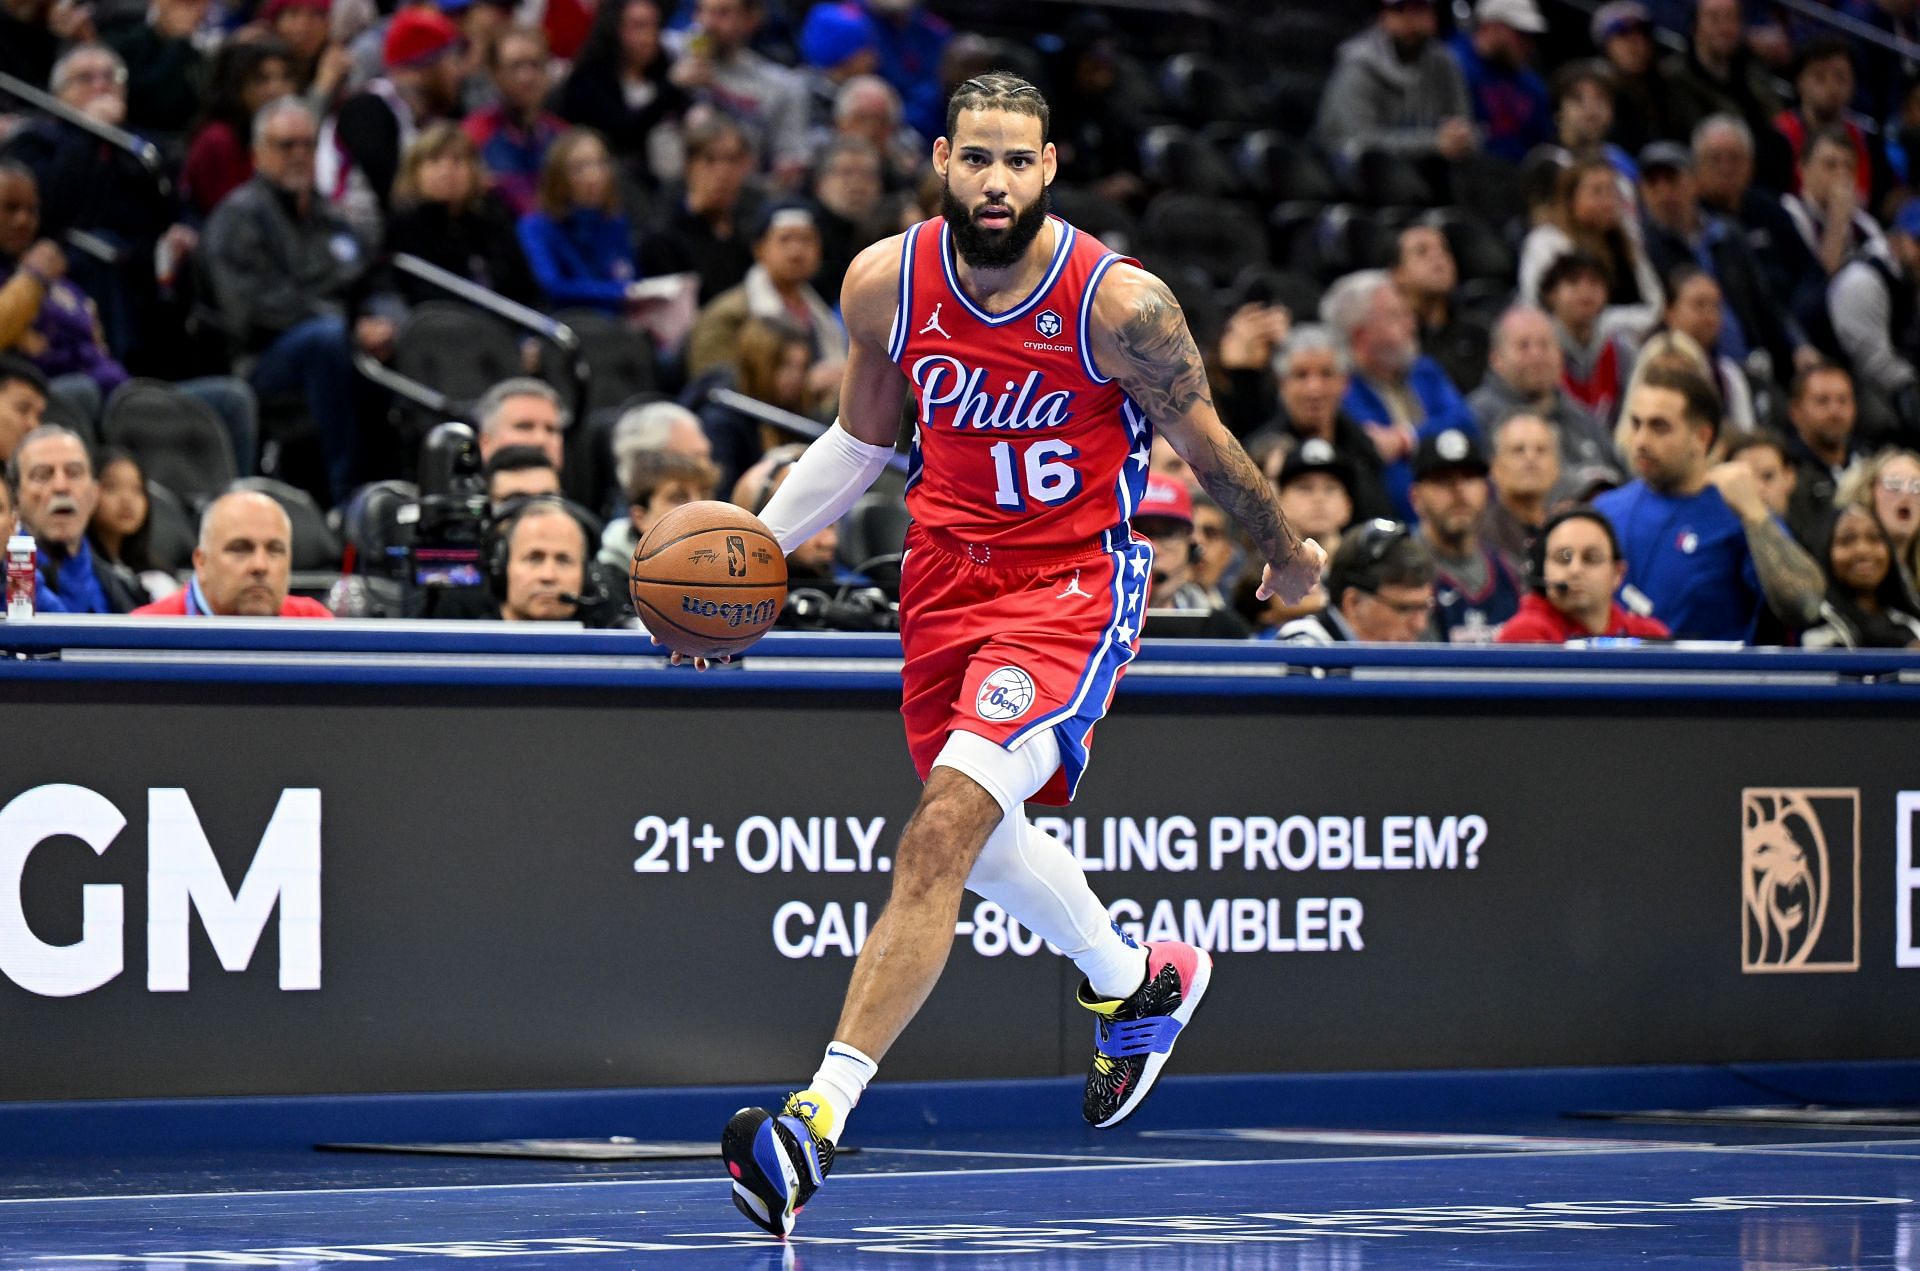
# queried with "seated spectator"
point(284, 264)
point(1823, 446)
point(540, 569)
point(241, 566)
point(1766, 454)
point(1396, 88)
point(1583, 115)
point(1695, 309)
point(514, 134)
point(1795, 283)
point(86, 183)
point(1594, 363)
point(320, 65)
point(1525, 470)
point(444, 214)
point(715, 65)
point(49, 320)
point(1889, 484)
point(1316, 495)
point(1524, 376)
point(31, 33)
point(1681, 231)
point(1312, 369)
point(1510, 103)
point(912, 44)
point(1868, 604)
point(1220, 552)
point(657, 482)
point(867, 109)
point(424, 61)
point(1475, 589)
point(1577, 568)
point(1396, 394)
point(1587, 213)
point(577, 240)
point(23, 401)
point(1379, 590)
point(1825, 211)
point(706, 228)
point(168, 71)
point(786, 254)
point(121, 529)
point(1426, 275)
point(519, 472)
point(847, 210)
point(837, 42)
point(1872, 303)
point(619, 88)
point(523, 411)
point(1718, 75)
point(53, 473)
point(772, 363)
point(245, 75)
point(1165, 517)
point(8, 521)
point(657, 426)
point(1643, 104)
point(1699, 540)
point(1244, 359)
point(1823, 80)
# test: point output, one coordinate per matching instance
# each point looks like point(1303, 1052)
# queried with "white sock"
point(1033, 876)
point(838, 1085)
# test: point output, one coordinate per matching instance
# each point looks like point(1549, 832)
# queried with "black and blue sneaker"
point(777, 1162)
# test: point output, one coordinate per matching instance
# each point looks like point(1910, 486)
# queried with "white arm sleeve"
point(820, 487)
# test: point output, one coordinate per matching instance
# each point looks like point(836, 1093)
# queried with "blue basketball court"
point(1441, 1175)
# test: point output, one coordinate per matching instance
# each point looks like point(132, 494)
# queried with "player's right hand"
point(1296, 576)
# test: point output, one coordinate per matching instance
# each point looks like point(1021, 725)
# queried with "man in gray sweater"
point(1396, 88)
point(1872, 304)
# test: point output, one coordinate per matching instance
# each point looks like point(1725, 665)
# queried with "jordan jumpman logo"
point(1073, 589)
point(933, 324)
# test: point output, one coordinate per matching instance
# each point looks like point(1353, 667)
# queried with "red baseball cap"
point(418, 36)
point(1165, 498)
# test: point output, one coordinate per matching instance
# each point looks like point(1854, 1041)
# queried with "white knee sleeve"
point(1010, 776)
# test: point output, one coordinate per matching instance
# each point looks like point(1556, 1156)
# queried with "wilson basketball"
point(708, 579)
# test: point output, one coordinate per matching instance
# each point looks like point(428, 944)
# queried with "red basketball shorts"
point(1003, 648)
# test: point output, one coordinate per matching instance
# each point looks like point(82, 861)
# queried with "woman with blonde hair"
point(1588, 213)
point(445, 214)
point(1888, 485)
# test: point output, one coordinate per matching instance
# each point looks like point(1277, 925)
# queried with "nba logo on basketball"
point(1005, 694)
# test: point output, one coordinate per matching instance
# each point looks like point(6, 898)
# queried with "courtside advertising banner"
point(210, 890)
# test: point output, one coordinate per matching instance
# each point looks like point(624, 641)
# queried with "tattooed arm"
point(1789, 577)
point(1140, 339)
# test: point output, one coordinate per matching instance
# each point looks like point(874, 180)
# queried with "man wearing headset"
point(1574, 570)
point(540, 568)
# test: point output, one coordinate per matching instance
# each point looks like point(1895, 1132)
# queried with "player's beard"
point(994, 249)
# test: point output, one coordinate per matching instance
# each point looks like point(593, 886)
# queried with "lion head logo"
point(1784, 877)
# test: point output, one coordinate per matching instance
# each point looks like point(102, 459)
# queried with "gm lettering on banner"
point(183, 878)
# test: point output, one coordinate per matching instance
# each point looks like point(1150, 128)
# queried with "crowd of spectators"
point(1548, 322)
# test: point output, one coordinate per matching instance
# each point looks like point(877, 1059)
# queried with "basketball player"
point(1041, 363)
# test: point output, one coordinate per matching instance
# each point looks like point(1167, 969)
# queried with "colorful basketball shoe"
point(1133, 1035)
point(777, 1163)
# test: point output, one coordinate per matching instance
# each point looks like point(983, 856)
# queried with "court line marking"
point(1777, 1149)
point(1040, 1156)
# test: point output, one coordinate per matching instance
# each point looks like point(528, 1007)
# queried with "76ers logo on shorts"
point(1004, 695)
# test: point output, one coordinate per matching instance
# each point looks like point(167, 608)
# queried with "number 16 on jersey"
point(1039, 471)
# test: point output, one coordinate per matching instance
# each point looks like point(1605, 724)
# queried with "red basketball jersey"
point(1019, 440)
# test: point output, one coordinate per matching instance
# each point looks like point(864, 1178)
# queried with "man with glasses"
point(283, 263)
point(708, 229)
point(1379, 590)
point(1575, 570)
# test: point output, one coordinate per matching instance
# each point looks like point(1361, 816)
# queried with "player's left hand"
point(1296, 576)
point(681, 659)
